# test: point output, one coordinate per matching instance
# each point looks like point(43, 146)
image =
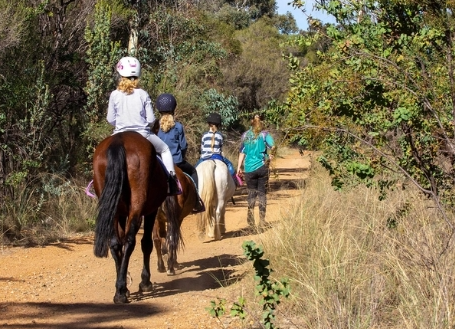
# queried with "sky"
point(299, 16)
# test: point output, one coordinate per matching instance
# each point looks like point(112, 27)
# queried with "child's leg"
point(162, 148)
point(230, 166)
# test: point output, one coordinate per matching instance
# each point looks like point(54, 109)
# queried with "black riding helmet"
point(166, 103)
point(214, 118)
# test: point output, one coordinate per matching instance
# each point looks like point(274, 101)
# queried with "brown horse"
point(131, 184)
point(185, 203)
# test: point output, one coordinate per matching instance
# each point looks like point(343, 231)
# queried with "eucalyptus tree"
point(257, 74)
point(380, 102)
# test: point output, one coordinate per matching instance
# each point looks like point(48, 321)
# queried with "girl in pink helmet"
point(130, 109)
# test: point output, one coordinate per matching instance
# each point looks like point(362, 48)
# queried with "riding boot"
point(262, 223)
point(173, 184)
point(199, 205)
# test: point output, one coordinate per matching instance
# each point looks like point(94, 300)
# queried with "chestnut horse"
point(216, 188)
point(131, 184)
point(185, 203)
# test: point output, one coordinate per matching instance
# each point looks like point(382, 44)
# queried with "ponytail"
point(257, 126)
point(214, 129)
point(127, 85)
point(167, 122)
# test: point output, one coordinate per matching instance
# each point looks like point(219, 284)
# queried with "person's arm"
point(221, 144)
point(149, 115)
point(155, 127)
point(240, 162)
point(111, 112)
point(182, 141)
point(270, 143)
point(202, 145)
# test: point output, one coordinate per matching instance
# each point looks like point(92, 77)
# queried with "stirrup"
point(199, 206)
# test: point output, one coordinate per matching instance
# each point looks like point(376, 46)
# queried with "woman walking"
point(253, 153)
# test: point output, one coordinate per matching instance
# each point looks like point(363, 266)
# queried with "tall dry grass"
point(49, 209)
point(356, 262)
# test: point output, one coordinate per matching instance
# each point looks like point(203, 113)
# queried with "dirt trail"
point(63, 285)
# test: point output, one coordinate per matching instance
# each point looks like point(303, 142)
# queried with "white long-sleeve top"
point(130, 112)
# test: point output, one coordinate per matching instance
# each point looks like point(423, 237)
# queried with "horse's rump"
point(216, 187)
point(142, 171)
point(207, 192)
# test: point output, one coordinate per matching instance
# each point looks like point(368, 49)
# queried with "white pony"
point(216, 188)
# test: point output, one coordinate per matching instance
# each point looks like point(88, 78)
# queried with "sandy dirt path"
point(63, 285)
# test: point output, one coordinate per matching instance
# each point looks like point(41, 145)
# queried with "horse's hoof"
point(121, 299)
point(145, 287)
point(160, 267)
point(170, 272)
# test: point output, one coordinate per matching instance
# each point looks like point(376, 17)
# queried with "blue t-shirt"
point(255, 149)
point(176, 140)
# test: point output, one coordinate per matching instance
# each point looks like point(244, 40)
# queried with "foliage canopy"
point(380, 99)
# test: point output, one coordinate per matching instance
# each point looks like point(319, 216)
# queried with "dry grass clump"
point(50, 209)
point(357, 262)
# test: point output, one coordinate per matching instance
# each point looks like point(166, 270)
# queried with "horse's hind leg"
point(156, 236)
point(122, 293)
point(147, 247)
point(115, 246)
point(212, 225)
point(222, 221)
point(217, 222)
point(220, 225)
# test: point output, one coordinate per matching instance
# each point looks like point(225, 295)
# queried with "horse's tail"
point(208, 194)
point(107, 204)
point(173, 238)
